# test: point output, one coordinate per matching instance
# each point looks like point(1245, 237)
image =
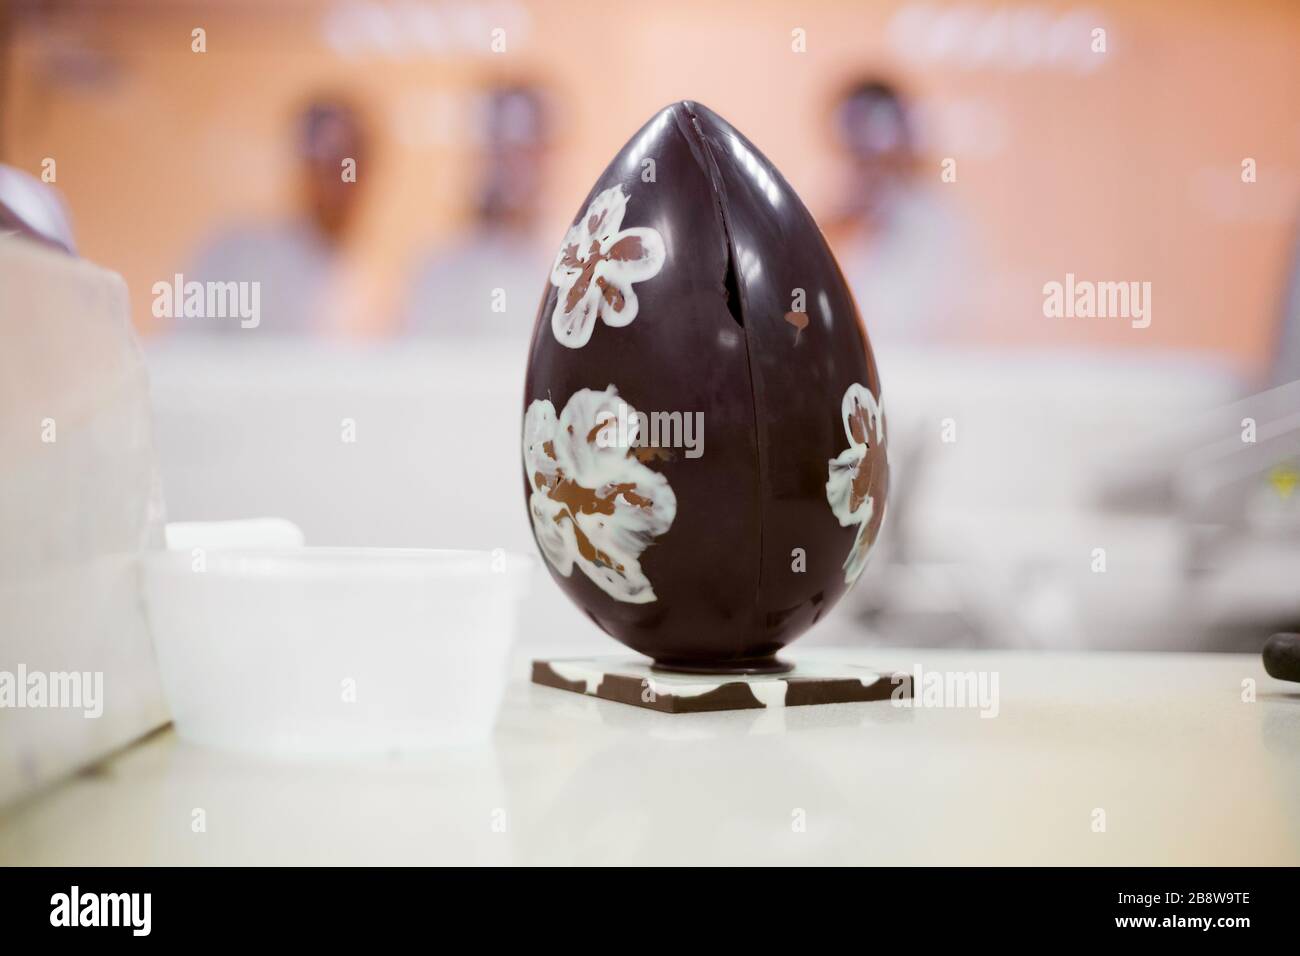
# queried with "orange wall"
point(1130, 171)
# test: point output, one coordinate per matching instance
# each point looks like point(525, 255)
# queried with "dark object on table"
point(705, 476)
point(1282, 656)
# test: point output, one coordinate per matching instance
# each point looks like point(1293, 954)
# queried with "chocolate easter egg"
point(704, 446)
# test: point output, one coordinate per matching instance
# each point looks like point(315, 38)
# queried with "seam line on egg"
point(731, 284)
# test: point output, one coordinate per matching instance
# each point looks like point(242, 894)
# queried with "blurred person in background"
point(899, 245)
point(490, 281)
point(302, 263)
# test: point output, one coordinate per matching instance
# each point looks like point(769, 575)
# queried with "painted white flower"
point(853, 475)
point(596, 267)
point(594, 504)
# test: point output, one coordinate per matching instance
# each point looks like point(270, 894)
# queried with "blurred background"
point(1123, 482)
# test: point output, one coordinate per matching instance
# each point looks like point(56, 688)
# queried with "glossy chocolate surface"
point(739, 312)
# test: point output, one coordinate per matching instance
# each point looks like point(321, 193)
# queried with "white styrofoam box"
point(79, 503)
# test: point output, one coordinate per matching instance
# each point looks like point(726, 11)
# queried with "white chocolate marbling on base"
point(768, 689)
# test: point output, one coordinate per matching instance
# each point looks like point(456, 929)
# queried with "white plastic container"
point(333, 651)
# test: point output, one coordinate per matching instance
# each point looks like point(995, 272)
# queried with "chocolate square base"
point(633, 682)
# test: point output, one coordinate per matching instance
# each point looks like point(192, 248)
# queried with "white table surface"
point(1184, 769)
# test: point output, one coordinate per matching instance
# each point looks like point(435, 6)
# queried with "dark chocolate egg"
point(705, 457)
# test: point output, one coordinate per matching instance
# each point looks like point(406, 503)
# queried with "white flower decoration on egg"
point(596, 267)
point(852, 474)
point(594, 503)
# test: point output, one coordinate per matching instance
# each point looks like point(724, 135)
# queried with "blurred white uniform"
point(296, 267)
point(911, 278)
point(490, 285)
